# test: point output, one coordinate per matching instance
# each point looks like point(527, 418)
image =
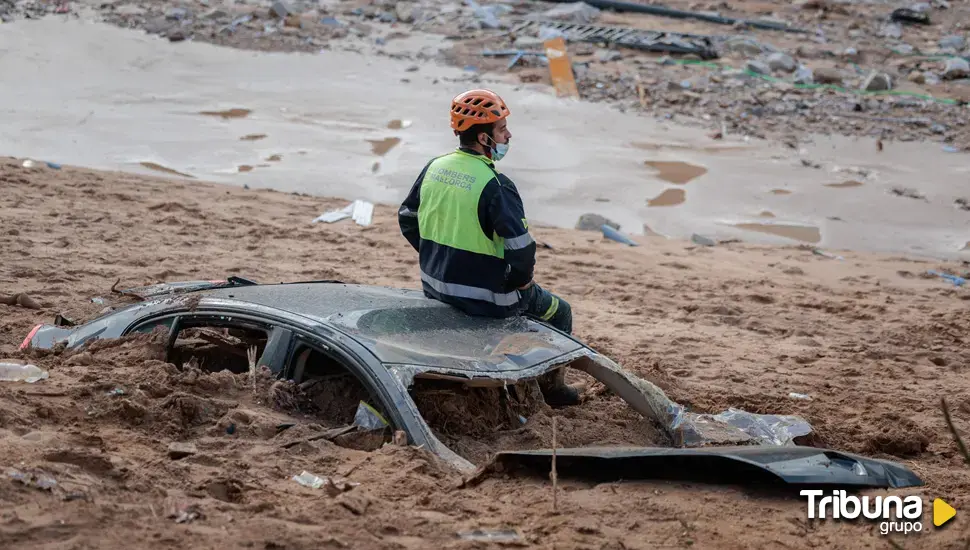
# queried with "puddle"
point(844, 184)
point(160, 168)
point(275, 158)
point(670, 197)
point(253, 137)
point(380, 147)
point(766, 214)
point(780, 192)
point(398, 124)
point(804, 233)
point(675, 171)
point(230, 113)
point(245, 168)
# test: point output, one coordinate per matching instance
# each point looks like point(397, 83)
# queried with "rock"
point(954, 42)
point(158, 25)
point(176, 35)
point(179, 450)
point(130, 9)
point(177, 14)
point(781, 62)
point(941, 4)
point(593, 222)
point(702, 240)
point(387, 17)
point(811, 4)
point(917, 77)
point(804, 75)
point(605, 56)
point(742, 45)
point(891, 30)
point(757, 67)
point(828, 75)
point(938, 129)
point(932, 79)
point(878, 82)
point(903, 49)
point(922, 7)
point(956, 67)
point(406, 11)
point(575, 12)
point(852, 54)
point(280, 10)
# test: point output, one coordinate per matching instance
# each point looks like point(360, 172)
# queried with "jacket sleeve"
point(503, 214)
point(407, 215)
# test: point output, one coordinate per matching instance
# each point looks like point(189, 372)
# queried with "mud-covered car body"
point(388, 337)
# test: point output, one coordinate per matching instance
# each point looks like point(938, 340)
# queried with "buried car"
point(377, 345)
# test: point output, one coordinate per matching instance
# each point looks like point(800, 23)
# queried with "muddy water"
point(675, 171)
point(670, 197)
point(94, 89)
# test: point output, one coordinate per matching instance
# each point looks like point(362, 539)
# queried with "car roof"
point(403, 327)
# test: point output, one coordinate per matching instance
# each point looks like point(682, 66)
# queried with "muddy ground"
point(873, 341)
point(845, 43)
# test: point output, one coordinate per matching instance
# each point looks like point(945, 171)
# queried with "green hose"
point(818, 86)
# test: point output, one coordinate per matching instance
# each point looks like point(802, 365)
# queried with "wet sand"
point(870, 339)
point(94, 88)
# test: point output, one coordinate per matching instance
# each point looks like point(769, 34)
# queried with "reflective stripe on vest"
point(473, 292)
point(450, 191)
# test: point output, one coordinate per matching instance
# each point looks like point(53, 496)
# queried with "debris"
point(360, 211)
point(21, 300)
point(953, 42)
point(891, 30)
point(679, 14)
point(950, 149)
point(878, 82)
point(497, 536)
point(702, 240)
point(36, 480)
point(574, 12)
point(956, 280)
point(605, 56)
point(592, 222)
point(15, 372)
point(28, 163)
point(938, 129)
point(560, 68)
point(53, 165)
point(801, 396)
point(486, 16)
point(779, 61)
point(333, 487)
point(824, 254)
point(400, 438)
point(804, 75)
point(406, 11)
point(626, 37)
point(116, 392)
point(909, 16)
point(826, 75)
point(956, 67)
point(615, 235)
point(743, 45)
point(280, 10)
point(185, 512)
point(97, 300)
point(907, 192)
point(757, 67)
point(178, 450)
point(367, 418)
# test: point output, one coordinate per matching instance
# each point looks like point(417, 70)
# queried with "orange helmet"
point(476, 107)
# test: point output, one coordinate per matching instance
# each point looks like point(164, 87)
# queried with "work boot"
point(556, 392)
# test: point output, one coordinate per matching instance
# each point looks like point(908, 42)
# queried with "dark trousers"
point(543, 305)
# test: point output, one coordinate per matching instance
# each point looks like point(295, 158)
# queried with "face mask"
point(499, 150)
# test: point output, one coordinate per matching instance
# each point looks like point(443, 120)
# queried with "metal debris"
point(639, 39)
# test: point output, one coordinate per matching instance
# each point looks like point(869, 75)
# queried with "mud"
point(733, 325)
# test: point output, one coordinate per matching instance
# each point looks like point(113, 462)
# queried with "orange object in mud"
point(560, 68)
point(476, 107)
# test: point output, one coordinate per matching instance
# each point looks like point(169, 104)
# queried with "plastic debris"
point(950, 149)
point(825, 254)
point(185, 512)
point(367, 418)
point(116, 391)
point(487, 15)
point(38, 481)
point(361, 211)
point(333, 486)
point(54, 165)
point(956, 280)
point(615, 235)
point(488, 535)
point(28, 163)
point(98, 300)
point(766, 429)
point(15, 372)
point(702, 240)
point(801, 396)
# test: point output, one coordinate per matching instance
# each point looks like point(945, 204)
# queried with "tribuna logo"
point(898, 515)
